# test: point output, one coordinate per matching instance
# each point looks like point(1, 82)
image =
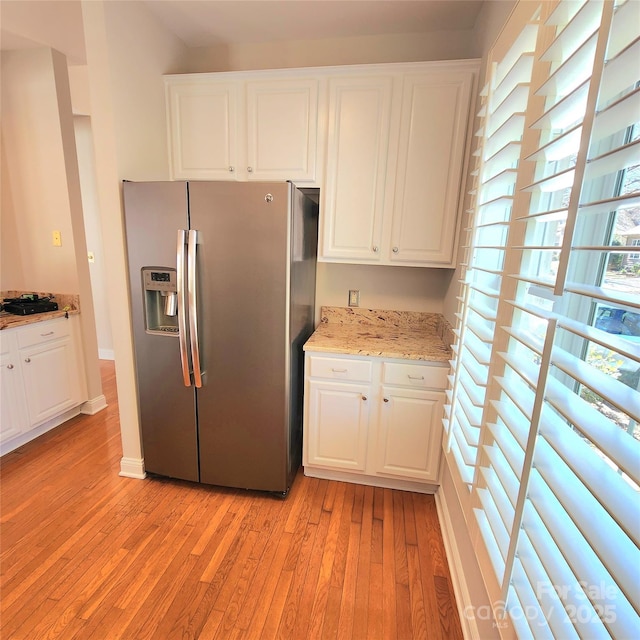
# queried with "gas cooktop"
point(29, 305)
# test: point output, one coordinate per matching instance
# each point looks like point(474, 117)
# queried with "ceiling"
point(202, 23)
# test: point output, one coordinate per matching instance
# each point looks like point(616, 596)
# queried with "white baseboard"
point(132, 468)
point(27, 436)
point(106, 354)
point(460, 589)
point(372, 481)
point(92, 406)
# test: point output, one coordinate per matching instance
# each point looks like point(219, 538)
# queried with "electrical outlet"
point(56, 238)
point(354, 297)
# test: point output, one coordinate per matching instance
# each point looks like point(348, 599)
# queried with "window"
point(545, 434)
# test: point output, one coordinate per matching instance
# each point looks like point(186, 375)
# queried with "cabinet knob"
point(27, 360)
point(232, 169)
point(395, 249)
point(9, 366)
point(375, 249)
point(250, 169)
point(364, 397)
point(386, 399)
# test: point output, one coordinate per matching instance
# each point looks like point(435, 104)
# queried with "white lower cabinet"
point(13, 416)
point(42, 378)
point(338, 424)
point(408, 438)
point(373, 421)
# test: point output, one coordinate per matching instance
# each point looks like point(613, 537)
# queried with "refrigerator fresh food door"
point(242, 232)
point(154, 211)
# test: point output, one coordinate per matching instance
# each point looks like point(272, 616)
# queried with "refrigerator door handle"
point(193, 306)
point(182, 307)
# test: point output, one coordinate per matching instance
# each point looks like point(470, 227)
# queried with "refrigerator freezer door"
point(153, 214)
point(243, 275)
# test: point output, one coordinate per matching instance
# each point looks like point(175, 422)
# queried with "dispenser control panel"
point(159, 280)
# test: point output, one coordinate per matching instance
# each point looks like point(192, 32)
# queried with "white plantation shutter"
point(554, 478)
point(495, 172)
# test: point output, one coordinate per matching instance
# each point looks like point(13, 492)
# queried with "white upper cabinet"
point(203, 126)
point(238, 128)
point(395, 155)
point(385, 142)
point(282, 129)
point(355, 176)
point(431, 151)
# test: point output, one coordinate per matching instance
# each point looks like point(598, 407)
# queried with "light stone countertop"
point(10, 321)
point(387, 334)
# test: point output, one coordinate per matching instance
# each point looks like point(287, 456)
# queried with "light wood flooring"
point(87, 554)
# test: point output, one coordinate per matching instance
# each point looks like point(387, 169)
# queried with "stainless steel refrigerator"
point(222, 286)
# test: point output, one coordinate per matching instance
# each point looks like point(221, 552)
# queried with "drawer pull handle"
point(9, 366)
point(339, 370)
point(49, 333)
point(364, 397)
point(386, 399)
point(27, 360)
point(415, 377)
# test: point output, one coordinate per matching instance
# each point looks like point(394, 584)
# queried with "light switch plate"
point(354, 297)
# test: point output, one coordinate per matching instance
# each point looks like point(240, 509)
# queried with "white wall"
point(128, 52)
point(404, 288)
point(407, 47)
point(36, 201)
point(93, 232)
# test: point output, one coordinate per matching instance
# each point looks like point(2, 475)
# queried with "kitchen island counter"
point(389, 334)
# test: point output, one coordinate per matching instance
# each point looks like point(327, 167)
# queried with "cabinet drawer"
point(339, 369)
point(43, 332)
point(414, 375)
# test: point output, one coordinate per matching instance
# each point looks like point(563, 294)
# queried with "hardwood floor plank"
point(213, 525)
point(360, 619)
point(401, 538)
point(305, 549)
point(274, 613)
point(389, 579)
point(350, 582)
point(403, 611)
point(342, 543)
point(326, 566)
point(89, 555)
point(308, 591)
point(227, 540)
point(404, 497)
point(418, 615)
point(375, 608)
point(261, 611)
point(279, 542)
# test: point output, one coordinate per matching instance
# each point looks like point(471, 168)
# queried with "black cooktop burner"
point(28, 306)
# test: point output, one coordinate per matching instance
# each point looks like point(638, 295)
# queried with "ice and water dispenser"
point(160, 300)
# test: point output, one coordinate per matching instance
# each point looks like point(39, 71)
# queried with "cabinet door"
point(338, 418)
point(13, 419)
point(203, 130)
point(435, 111)
point(282, 119)
point(409, 433)
point(358, 145)
point(50, 379)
